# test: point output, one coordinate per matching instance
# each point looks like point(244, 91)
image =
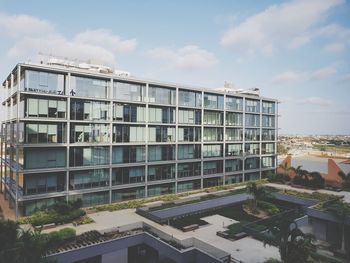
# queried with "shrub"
point(56, 238)
point(269, 208)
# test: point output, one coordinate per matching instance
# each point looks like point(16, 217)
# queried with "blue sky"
point(296, 51)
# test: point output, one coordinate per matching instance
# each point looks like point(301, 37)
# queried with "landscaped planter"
point(295, 199)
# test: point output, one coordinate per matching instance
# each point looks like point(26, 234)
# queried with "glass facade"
point(129, 112)
point(45, 108)
point(127, 91)
point(89, 87)
point(87, 179)
point(44, 82)
point(190, 98)
point(189, 151)
point(88, 156)
point(162, 95)
point(128, 154)
point(118, 131)
point(89, 110)
point(92, 133)
point(128, 175)
point(213, 101)
point(45, 133)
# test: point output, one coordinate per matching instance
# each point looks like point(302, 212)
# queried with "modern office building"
point(79, 131)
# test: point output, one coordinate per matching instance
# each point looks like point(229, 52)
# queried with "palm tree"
point(342, 211)
point(346, 179)
point(20, 246)
point(293, 244)
point(258, 193)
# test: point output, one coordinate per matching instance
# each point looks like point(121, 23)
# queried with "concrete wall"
point(119, 256)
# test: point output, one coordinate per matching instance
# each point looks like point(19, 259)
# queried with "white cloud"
point(188, 57)
point(289, 77)
point(288, 24)
point(316, 101)
point(23, 25)
point(105, 38)
point(32, 35)
point(322, 73)
point(335, 47)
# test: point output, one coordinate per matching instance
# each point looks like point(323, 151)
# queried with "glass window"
point(45, 133)
point(234, 134)
point(268, 107)
point(232, 179)
point(188, 151)
point(88, 156)
point(267, 162)
point(89, 110)
point(268, 148)
point(233, 165)
point(128, 194)
point(189, 116)
point(127, 91)
point(234, 149)
point(36, 158)
point(212, 182)
point(252, 176)
point(213, 167)
point(234, 103)
point(212, 134)
point(89, 87)
point(189, 134)
point(252, 120)
point(268, 135)
point(252, 148)
point(163, 189)
point(45, 108)
point(92, 199)
point(268, 121)
point(252, 105)
point(161, 152)
point(44, 82)
point(213, 118)
point(190, 98)
point(161, 172)
point(234, 119)
point(252, 134)
point(128, 133)
point(252, 163)
point(188, 169)
point(212, 150)
point(188, 186)
point(129, 112)
point(86, 179)
point(128, 175)
point(44, 183)
point(213, 101)
point(161, 114)
point(161, 95)
point(98, 133)
point(128, 154)
point(161, 134)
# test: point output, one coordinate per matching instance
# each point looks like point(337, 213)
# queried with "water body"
point(316, 164)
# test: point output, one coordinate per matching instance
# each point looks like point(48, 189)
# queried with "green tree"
point(20, 246)
point(281, 150)
point(258, 193)
point(293, 244)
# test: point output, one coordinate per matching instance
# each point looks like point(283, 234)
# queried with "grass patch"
point(314, 195)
